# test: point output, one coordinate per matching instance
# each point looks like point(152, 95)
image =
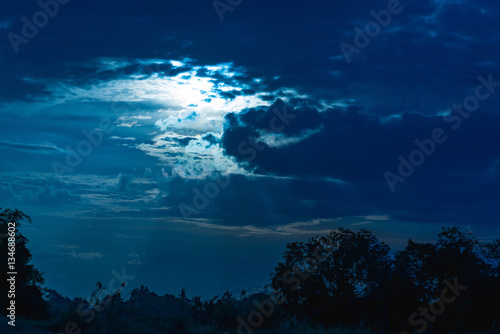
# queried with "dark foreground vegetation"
point(345, 282)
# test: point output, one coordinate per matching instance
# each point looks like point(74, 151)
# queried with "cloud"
point(354, 146)
point(246, 230)
point(89, 256)
point(121, 138)
point(64, 252)
point(357, 148)
point(299, 49)
point(46, 195)
point(33, 148)
point(66, 246)
point(200, 93)
point(280, 140)
point(190, 157)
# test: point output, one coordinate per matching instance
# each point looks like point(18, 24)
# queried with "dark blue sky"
point(156, 137)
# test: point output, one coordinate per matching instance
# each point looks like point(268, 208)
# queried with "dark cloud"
point(430, 45)
point(358, 148)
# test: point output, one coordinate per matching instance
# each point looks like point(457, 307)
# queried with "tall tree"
point(29, 300)
point(329, 275)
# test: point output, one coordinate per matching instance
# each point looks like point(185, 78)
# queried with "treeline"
point(452, 285)
point(344, 282)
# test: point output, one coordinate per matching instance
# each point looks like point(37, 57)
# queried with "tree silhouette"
point(325, 276)
point(28, 296)
point(418, 266)
point(347, 278)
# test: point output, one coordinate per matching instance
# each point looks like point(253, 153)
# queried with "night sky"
point(186, 142)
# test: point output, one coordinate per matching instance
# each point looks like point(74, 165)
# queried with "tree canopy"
point(29, 280)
